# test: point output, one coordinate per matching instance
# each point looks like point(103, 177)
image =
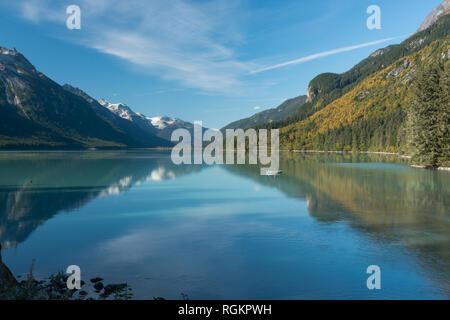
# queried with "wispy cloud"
point(192, 43)
point(179, 40)
point(256, 108)
point(322, 54)
point(36, 11)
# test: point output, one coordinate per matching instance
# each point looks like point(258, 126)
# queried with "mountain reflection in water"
point(385, 204)
point(36, 186)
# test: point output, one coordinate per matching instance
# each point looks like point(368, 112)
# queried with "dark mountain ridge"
point(38, 113)
point(279, 113)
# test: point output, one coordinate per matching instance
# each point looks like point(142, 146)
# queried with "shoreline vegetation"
point(373, 152)
point(403, 156)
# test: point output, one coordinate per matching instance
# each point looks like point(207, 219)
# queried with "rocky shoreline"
point(55, 288)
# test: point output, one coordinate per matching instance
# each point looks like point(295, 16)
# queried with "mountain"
point(327, 87)
point(122, 117)
point(39, 113)
point(166, 125)
point(442, 9)
point(161, 126)
point(368, 117)
point(282, 112)
point(123, 111)
point(371, 106)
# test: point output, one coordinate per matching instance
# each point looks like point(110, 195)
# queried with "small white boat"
point(270, 172)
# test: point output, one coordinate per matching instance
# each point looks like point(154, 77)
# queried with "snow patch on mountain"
point(159, 122)
point(120, 109)
point(14, 61)
point(162, 122)
point(162, 126)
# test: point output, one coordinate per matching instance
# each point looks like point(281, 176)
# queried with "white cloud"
point(36, 11)
point(179, 40)
point(193, 69)
point(256, 108)
point(322, 54)
point(190, 42)
point(31, 12)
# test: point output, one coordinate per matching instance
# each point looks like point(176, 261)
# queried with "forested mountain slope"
point(327, 87)
point(370, 116)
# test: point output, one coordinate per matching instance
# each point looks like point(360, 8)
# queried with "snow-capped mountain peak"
point(161, 122)
point(120, 109)
point(110, 105)
point(162, 126)
point(14, 61)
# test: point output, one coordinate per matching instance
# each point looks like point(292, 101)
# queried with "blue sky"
point(213, 61)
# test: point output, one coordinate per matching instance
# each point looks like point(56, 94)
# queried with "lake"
point(226, 232)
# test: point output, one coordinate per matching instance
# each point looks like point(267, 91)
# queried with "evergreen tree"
point(427, 120)
point(444, 120)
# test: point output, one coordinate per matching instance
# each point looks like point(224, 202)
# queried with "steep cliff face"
point(442, 9)
point(310, 94)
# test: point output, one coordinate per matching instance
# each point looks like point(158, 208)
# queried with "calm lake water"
point(225, 232)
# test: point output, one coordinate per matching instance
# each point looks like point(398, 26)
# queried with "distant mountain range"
point(282, 112)
point(38, 113)
point(162, 126)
